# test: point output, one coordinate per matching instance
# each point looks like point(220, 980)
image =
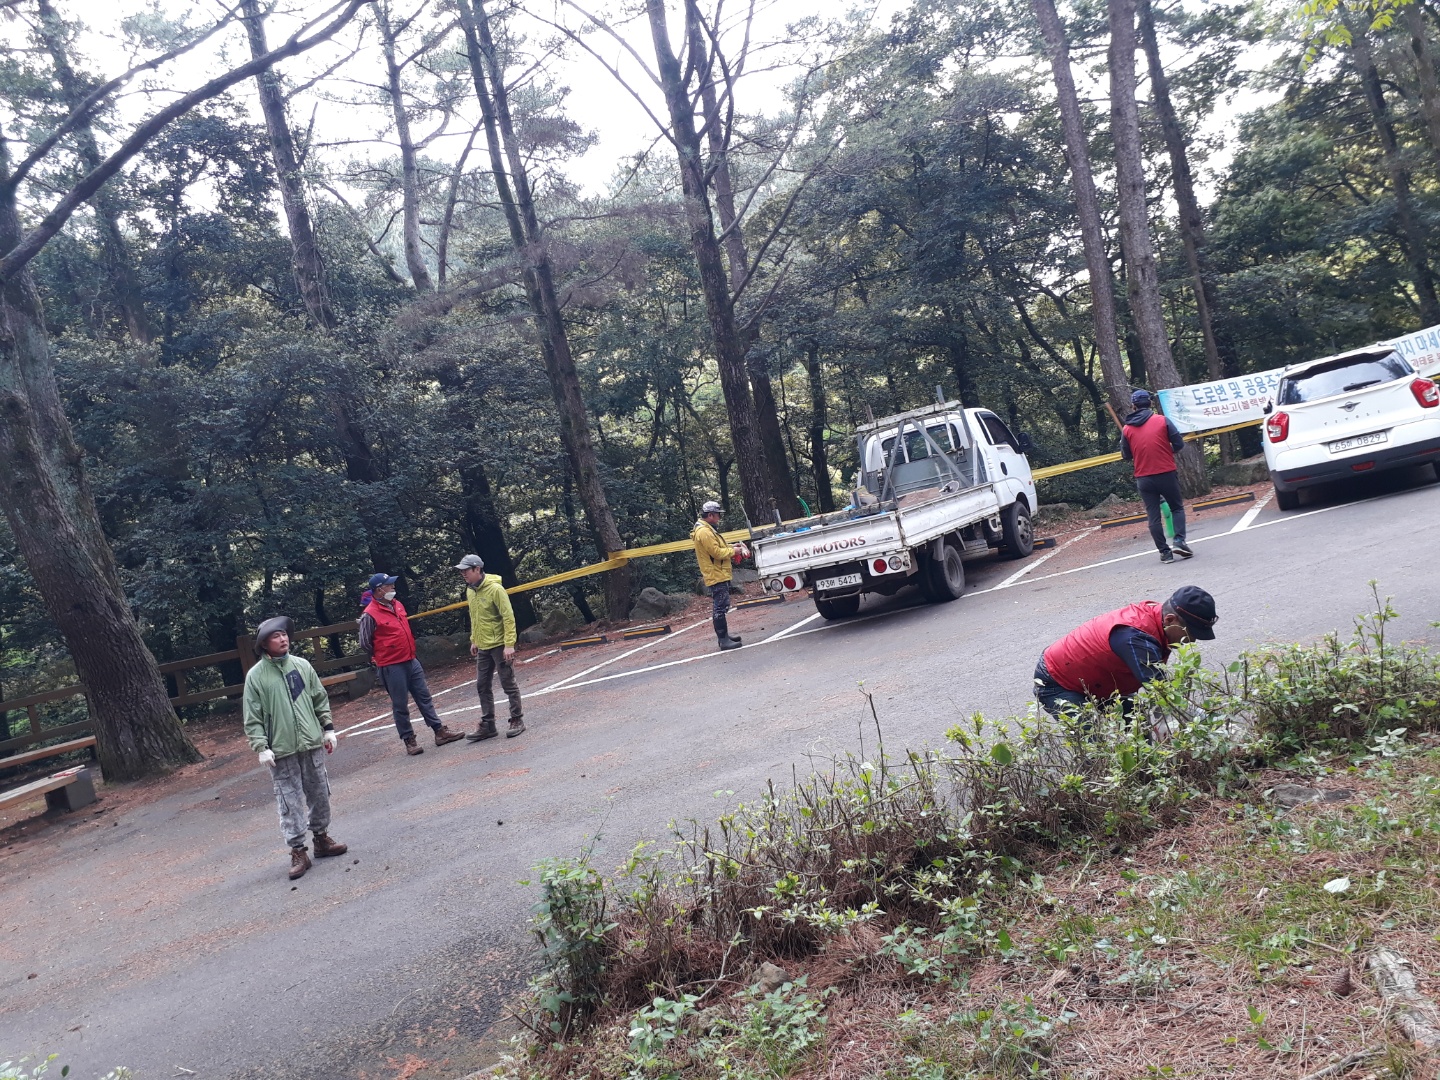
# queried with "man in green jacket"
point(492, 643)
point(287, 720)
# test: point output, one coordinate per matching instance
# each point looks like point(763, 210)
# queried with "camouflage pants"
point(300, 779)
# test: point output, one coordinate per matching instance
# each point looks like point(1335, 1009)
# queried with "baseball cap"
point(711, 507)
point(1140, 397)
point(376, 580)
point(471, 562)
point(1197, 608)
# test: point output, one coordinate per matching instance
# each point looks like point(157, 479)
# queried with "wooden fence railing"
point(244, 652)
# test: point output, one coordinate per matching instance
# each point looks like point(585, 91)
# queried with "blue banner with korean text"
point(1421, 349)
point(1219, 404)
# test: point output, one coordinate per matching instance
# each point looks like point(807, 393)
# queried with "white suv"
point(1346, 415)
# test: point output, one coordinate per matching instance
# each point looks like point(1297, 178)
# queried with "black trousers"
point(1165, 485)
point(402, 682)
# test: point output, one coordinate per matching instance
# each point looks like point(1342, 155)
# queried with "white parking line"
point(387, 716)
point(1013, 578)
point(793, 626)
point(1248, 518)
point(622, 656)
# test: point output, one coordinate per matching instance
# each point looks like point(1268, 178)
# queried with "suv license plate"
point(1359, 441)
point(840, 582)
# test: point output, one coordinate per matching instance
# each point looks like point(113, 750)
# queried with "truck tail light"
point(791, 582)
point(1278, 426)
point(1426, 393)
point(897, 563)
point(879, 566)
point(775, 585)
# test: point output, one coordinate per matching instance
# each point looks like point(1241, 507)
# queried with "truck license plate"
point(841, 582)
point(1358, 441)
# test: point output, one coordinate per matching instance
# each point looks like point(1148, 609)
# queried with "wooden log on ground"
point(1413, 1013)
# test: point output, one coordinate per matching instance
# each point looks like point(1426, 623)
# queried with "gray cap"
point(711, 507)
point(471, 562)
point(272, 626)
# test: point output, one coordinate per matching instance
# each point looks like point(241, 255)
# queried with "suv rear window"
point(1342, 377)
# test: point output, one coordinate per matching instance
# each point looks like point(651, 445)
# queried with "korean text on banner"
point(1420, 349)
point(1219, 404)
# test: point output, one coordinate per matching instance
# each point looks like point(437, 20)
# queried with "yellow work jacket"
point(712, 553)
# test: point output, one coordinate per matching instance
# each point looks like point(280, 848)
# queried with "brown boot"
point(517, 727)
point(326, 847)
point(444, 735)
point(299, 862)
point(411, 748)
point(484, 730)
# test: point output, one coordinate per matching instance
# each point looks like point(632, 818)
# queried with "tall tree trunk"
point(1425, 71)
point(767, 415)
point(481, 532)
point(409, 167)
point(304, 251)
point(1087, 207)
point(1412, 236)
point(512, 182)
point(51, 512)
point(819, 459)
point(729, 350)
point(1141, 276)
point(1192, 223)
point(119, 267)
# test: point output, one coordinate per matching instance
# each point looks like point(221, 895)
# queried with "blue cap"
point(1140, 398)
point(376, 580)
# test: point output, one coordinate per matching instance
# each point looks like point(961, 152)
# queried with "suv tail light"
point(1426, 393)
point(1278, 426)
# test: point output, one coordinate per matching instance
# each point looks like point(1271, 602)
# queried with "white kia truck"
point(1348, 415)
point(936, 486)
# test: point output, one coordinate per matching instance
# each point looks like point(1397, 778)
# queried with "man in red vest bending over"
point(386, 636)
point(1151, 441)
point(1114, 653)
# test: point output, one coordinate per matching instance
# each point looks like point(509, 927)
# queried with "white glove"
point(267, 757)
point(330, 740)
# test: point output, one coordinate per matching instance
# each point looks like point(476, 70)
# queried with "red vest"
point(1150, 446)
point(1082, 661)
point(394, 641)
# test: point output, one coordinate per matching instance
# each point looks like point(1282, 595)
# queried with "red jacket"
point(391, 640)
point(1151, 445)
point(1083, 662)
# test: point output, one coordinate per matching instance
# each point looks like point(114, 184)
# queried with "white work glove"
point(267, 757)
point(330, 740)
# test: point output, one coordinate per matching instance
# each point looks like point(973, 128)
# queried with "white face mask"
point(388, 595)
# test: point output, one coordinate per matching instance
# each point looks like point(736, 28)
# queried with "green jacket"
point(286, 709)
point(492, 619)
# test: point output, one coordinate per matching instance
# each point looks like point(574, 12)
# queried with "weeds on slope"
point(887, 869)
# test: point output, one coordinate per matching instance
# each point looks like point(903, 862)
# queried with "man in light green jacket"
point(492, 643)
point(287, 720)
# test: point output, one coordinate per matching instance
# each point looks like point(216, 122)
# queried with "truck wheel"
point(945, 577)
point(1019, 532)
point(1287, 500)
point(841, 607)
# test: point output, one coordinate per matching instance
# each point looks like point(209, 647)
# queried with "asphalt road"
point(164, 935)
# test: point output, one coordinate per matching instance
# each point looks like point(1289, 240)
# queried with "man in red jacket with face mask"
point(1151, 441)
point(1115, 653)
point(386, 637)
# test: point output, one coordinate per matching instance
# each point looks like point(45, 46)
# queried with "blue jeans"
point(1051, 695)
point(402, 682)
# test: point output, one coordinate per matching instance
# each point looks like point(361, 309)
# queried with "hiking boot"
point(517, 727)
point(1167, 556)
point(411, 748)
point(1181, 548)
point(444, 735)
point(299, 862)
point(326, 847)
point(484, 730)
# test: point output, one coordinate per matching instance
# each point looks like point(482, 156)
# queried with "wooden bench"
point(68, 790)
point(49, 751)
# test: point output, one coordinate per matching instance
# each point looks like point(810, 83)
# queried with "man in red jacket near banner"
point(1151, 441)
point(385, 635)
point(1115, 653)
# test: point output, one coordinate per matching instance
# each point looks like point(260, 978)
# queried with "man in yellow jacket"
point(492, 643)
point(717, 564)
